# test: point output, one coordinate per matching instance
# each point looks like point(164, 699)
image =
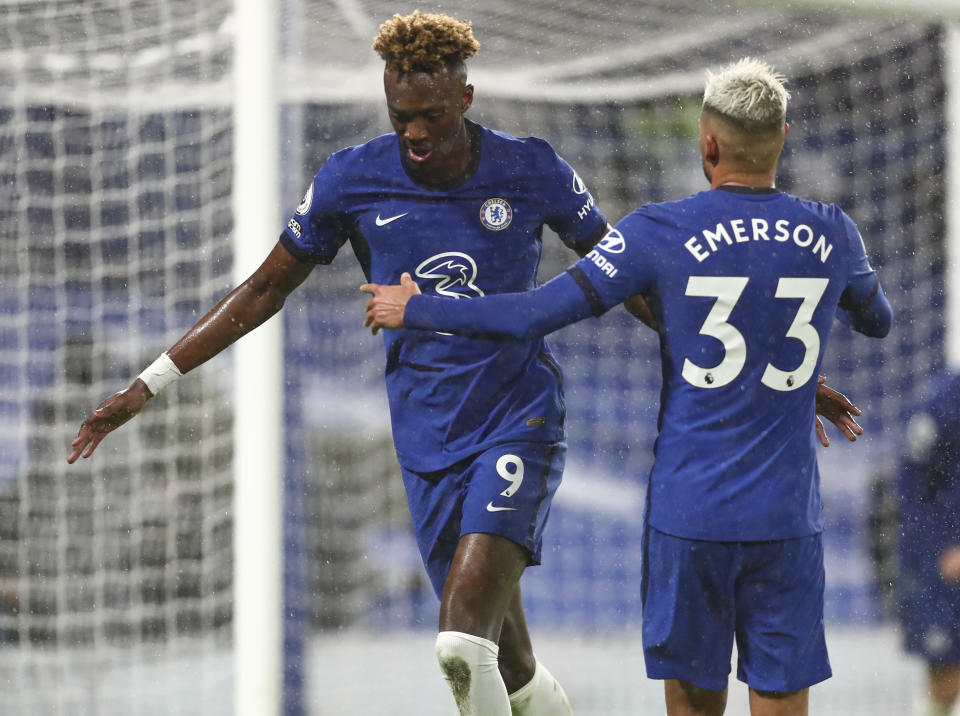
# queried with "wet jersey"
point(744, 287)
point(451, 397)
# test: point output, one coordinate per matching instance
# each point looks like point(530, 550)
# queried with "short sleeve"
point(573, 212)
point(318, 227)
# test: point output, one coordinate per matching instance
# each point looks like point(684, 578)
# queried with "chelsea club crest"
point(496, 214)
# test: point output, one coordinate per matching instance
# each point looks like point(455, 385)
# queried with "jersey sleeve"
point(623, 263)
point(317, 229)
point(863, 305)
point(572, 211)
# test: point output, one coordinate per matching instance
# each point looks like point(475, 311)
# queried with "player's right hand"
point(109, 415)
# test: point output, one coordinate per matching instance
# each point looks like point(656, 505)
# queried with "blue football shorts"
point(699, 596)
point(929, 611)
point(506, 491)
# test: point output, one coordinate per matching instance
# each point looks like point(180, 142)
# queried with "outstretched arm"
point(520, 316)
point(247, 306)
point(537, 312)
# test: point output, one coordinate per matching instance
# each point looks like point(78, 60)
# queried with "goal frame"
point(258, 373)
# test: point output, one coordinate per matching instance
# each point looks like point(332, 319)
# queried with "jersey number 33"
point(727, 291)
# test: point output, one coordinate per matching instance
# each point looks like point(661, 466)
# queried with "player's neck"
point(455, 164)
point(739, 177)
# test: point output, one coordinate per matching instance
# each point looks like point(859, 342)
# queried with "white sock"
point(469, 664)
point(541, 696)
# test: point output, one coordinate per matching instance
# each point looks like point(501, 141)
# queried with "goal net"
point(115, 573)
point(116, 591)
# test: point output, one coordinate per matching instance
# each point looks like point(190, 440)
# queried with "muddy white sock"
point(469, 664)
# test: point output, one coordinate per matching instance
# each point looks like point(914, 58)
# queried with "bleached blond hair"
point(748, 92)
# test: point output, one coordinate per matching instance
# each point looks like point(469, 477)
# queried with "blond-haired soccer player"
point(743, 282)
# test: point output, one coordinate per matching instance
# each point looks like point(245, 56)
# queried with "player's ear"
point(467, 99)
point(711, 150)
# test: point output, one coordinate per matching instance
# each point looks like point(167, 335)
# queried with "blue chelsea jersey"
point(744, 286)
point(450, 396)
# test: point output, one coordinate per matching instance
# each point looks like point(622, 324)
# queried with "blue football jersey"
point(450, 396)
point(744, 286)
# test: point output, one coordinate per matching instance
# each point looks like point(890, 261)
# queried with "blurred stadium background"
point(117, 216)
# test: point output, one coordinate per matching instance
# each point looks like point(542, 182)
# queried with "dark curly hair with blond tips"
point(425, 42)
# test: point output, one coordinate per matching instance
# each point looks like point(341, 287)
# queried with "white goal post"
point(952, 113)
point(258, 376)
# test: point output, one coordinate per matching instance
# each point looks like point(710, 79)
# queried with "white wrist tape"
point(161, 373)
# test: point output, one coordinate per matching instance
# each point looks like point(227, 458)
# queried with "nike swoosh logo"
point(491, 508)
point(384, 222)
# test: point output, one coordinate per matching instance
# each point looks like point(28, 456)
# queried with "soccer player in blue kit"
point(478, 425)
point(928, 580)
point(743, 282)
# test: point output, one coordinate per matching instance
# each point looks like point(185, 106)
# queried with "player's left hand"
point(109, 415)
point(836, 408)
point(385, 309)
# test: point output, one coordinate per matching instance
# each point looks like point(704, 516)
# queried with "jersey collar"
point(749, 189)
